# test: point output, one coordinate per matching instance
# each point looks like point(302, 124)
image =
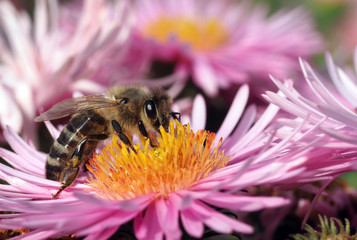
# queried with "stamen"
point(181, 159)
point(203, 35)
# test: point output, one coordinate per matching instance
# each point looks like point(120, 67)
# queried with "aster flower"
point(220, 43)
point(327, 119)
point(331, 112)
point(61, 51)
point(181, 180)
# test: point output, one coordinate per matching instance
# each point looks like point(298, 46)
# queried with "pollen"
point(181, 160)
point(202, 35)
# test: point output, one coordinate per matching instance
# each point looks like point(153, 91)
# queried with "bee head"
point(158, 109)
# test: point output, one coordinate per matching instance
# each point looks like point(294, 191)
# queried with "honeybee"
point(122, 110)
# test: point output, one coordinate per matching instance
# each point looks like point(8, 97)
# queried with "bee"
point(122, 110)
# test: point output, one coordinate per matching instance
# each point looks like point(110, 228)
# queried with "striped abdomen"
point(89, 125)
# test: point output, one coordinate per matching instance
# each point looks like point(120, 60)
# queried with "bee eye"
point(150, 109)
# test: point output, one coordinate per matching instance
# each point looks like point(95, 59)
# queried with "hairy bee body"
point(123, 110)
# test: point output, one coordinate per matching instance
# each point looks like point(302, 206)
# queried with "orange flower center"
point(201, 35)
point(182, 158)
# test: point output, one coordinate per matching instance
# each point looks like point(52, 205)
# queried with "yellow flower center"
point(201, 35)
point(181, 159)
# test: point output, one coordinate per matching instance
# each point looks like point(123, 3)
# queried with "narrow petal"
point(140, 229)
point(148, 227)
point(102, 234)
point(219, 222)
point(23, 149)
point(168, 213)
point(198, 113)
point(245, 203)
point(192, 224)
point(256, 130)
point(17, 162)
point(128, 205)
point(10, 113)
point(112, 222)
point(234, 113)
point(244, 125)
point(205, 76)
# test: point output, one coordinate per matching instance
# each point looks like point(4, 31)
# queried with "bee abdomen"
point(79, 127)
point(53, 168)
point(88, 124)
point(61, 151)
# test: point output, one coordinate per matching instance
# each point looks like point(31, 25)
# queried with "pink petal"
point(343, 83)
point(256, 130)
point(245, 123)
point(66, 222)
point(168, 213)
point(234, 113)
point(112, 222)
point(148, 227)
point(244, 203)
point(339, 114)
point(87, 86)
point(18, 36)
point(355, 58)
point(205, 76)
point(52, 129)
point(10, 113)
point(18, 162)
point(25, 186)
point(103, 234)
point(23, 149)
point(218, 221)
point(40, 21)
point(341, 136)
point(198, 113)
point(128, 205)
point(192, 224)
point(140, 228)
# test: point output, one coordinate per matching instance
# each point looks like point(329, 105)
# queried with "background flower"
point(327, 118)
point(329, 112)
point(220, 43)
point(64, 49)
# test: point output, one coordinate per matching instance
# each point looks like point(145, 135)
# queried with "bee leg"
point(143, 131)
point(71, 171)
point(176, 116)
point(122, 135)
point(90, 147)
point(98, 136)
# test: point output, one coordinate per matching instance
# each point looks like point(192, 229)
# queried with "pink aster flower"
point(64, 49)
point(330, 112)
point(181, 180)
point(329, 122)
point(220, 43)
point(327, 119)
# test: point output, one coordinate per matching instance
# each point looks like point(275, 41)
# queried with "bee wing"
point(71, 106)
